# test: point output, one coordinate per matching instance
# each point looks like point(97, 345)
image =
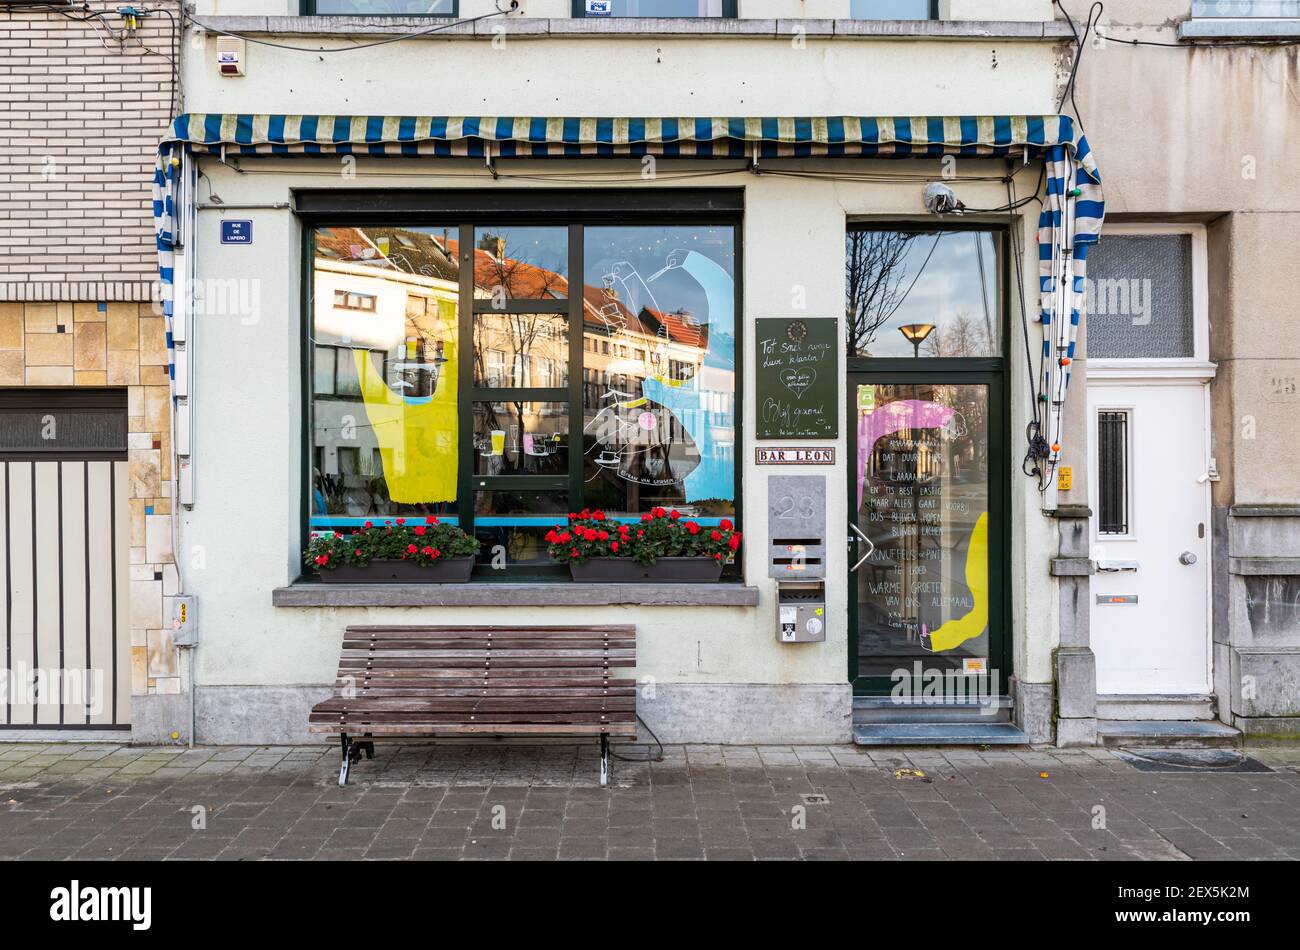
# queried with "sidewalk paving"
point(100, 801)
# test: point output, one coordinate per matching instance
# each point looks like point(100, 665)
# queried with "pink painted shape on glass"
point(893, 417)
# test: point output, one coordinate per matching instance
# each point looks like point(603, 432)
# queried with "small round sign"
point(647, 420)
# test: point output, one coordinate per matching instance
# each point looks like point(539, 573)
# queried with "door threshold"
point(1152, 734)
point(938, 733)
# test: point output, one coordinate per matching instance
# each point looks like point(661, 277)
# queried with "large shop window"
point(504, 396)
point(929, 489)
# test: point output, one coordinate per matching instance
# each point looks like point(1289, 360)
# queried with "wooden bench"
point(480, 682)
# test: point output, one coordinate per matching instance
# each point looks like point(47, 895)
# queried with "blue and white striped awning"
point(1071, 219)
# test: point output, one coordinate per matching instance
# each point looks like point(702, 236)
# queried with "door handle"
point(1187, 557)
point(871, 547)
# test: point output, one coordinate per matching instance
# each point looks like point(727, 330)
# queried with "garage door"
point(64, 525)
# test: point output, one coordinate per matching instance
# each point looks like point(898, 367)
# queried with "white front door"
point(1150, 536)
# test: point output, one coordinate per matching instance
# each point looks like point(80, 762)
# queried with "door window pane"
point(1112, 472)
point(1139, 297)
point(384, 407)
point(521, 438)
point(521, 349)
point(923, 500)
point(659, 373)
point(521, 263)
point(923, 294)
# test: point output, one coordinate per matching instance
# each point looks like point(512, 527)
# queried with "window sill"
point(504, 594)
point(576, 28)
point(1242, 28)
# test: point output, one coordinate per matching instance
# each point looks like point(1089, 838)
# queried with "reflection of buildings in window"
point(391, 342)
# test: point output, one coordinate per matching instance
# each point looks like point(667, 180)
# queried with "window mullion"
point(577, 294)
point(465, 381)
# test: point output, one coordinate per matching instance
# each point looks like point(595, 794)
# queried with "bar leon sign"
point(792, 456)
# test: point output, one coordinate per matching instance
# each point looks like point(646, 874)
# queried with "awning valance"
point(1070, 220)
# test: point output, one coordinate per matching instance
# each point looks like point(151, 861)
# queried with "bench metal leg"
point(368, 747)
point(604, 759)
point(347, 759)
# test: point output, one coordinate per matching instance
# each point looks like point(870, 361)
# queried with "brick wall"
point(80, 118)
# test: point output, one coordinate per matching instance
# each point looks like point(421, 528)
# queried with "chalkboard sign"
point(797, 378)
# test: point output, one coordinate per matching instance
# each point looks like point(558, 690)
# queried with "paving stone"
point(101, 802)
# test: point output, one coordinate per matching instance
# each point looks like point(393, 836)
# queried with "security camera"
point(939, 199)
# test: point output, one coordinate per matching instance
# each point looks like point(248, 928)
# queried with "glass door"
point(928, 513)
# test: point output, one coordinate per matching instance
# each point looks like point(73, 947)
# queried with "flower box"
point(432, 552)
point(452, 570)
point(661, 546)
point(624, 570)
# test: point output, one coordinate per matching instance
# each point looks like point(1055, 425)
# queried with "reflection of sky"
point(547, 248)
point(890, 9)
point(648, 250)
point(949, 285)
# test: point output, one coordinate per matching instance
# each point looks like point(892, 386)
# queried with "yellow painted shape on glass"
point(417, 440)
point(956, 632)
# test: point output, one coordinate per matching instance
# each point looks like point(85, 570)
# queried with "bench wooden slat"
point(481, 681)
point(622, 730)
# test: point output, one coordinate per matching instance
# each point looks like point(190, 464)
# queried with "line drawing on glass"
point(636, 435)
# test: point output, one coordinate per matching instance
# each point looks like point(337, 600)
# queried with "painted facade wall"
point(1211, 140)
point(719, 671)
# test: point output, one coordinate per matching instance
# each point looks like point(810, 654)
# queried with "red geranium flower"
point(420, 530)
point(411, 549)
point(693, 528)
point(674, 514)
point(401, 521)
point(613, 545)
point(725, 524)
point(431, 520)
point(715, 535)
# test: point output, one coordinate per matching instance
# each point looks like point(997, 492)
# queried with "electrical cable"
point(656, 757)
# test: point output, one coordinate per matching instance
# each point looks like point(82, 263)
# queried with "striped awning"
point(1071, 219)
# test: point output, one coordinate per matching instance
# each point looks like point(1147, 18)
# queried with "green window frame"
point(704, 208)
point(992, 371)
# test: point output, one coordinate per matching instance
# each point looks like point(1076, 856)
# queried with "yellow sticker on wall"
point(1064, 478)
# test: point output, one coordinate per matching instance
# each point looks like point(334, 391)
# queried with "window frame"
point(308, 8)
point(995, 372)
point(466, 211)
point(577, 9)
point(1197, 365)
